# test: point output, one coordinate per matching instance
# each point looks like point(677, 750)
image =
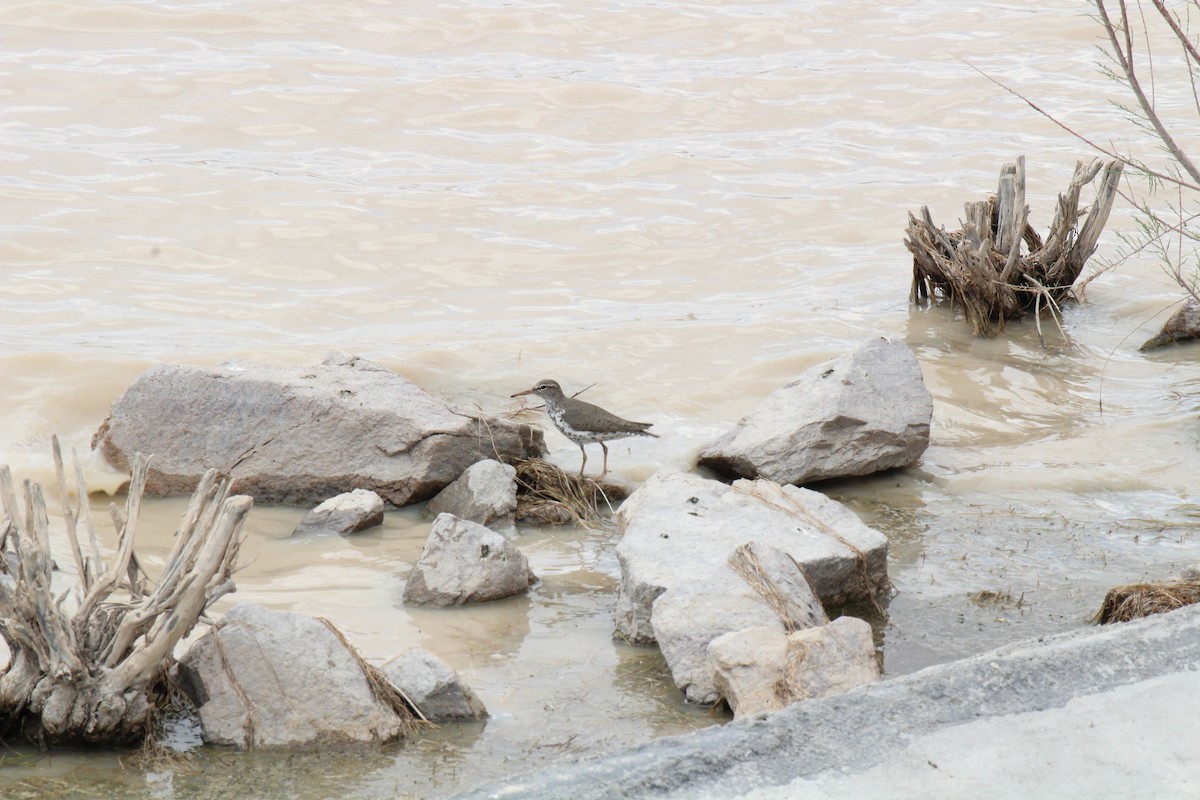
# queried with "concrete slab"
point(1106, 712)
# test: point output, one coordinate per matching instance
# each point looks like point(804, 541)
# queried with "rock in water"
point(434, 687)
point(773, 594)
point(763, 669)
point(680, 529)
point(486, 493)
point(864, 412)
point(300, 435)
point(464, 562)
point(1183, 326)
point(266, 678)
point(349, 512)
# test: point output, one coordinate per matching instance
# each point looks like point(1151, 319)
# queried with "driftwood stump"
point(996, 267)
point(88, 665)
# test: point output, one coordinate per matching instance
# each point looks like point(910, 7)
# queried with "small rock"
point(1183, 326)
point(434, 687)
point(485, 493)
point(687, 618)
point(762, 669)
point(748, 667)
point(759, 587)
point(831, 659)
point(349, 512)
point(864, 412)
point(464, 562)
point(266, 678)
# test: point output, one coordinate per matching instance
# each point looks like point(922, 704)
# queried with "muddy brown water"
point(683, 203)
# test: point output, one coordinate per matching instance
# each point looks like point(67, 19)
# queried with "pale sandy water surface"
point(682, 203)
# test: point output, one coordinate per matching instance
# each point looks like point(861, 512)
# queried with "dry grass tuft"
point(546, 495)
point(1136, 600)
point(745, 562)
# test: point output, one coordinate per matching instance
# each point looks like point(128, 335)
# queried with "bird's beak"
point(519, 394)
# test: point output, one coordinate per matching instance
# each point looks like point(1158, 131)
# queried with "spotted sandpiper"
point(584, 423)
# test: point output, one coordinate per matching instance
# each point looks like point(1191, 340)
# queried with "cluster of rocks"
point(263, 678)
point(709, 569)
point(268, 678)
point(731, 581)
point(467, 557)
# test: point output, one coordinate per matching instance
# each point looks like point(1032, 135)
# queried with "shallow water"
point(683, 203)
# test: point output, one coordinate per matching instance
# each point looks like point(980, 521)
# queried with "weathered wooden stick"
point(68, 516)
point(63, 664)
point(85, 511)
point(1097, 218)
point(1014, 215)
point(1062, 229)
point(106, 582)
point(172, 626)
point(181, 565)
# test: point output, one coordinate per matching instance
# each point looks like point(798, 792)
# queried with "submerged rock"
point(1183, 326)
point(680, 529)
point(464, 562)
point(485, 493)
point(864, 412)
point(349, 512)
point(432, 686)
point(302, 434)
point(264, 678)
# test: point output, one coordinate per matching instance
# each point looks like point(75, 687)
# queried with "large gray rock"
point(266, 678)
point(464, 562)
point(767, 587)
point(679, 529)
point(486, 493)
point(435, 688)
point(349, 512)
point(864, 412)
point(301, 434)
point(764, 669)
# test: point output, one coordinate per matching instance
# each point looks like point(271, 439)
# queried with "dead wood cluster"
point(996, 267)
point(88, 658)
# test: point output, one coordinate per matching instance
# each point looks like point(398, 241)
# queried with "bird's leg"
point(583, 463)
point(604, 471)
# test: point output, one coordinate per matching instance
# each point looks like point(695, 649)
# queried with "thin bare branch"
point(68, 516)
point(1099, 148)
point(1125, 60)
